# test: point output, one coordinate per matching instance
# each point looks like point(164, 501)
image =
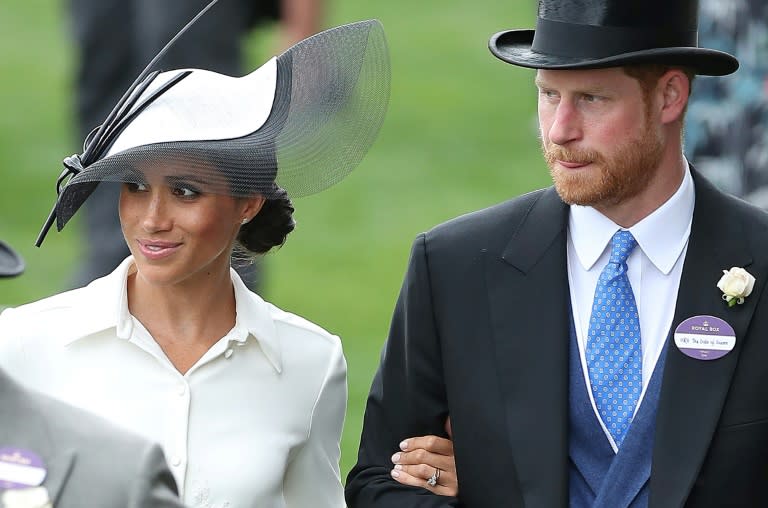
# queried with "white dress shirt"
point(255, 422)
point(655, 267)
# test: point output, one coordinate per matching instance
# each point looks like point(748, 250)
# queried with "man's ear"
point(673, 90)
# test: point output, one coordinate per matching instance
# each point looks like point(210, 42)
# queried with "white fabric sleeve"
point(313, 478)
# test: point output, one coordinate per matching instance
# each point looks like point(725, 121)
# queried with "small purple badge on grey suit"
point(20, 468)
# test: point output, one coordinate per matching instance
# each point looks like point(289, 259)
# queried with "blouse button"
point(227, 353)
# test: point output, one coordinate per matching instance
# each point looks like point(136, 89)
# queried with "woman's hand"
point(427, 462)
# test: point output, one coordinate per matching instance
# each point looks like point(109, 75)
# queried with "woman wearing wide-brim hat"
point(246, 399)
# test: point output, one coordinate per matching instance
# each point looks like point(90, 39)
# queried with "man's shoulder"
point(97, 446)
point(89, 434)
point(737, 212)
point(753, 217)
point(110, 466)
point(490, 223)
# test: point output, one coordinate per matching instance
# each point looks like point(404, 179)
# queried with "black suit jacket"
point(481, 331)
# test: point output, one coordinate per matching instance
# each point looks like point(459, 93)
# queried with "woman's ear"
point(252, 206)
point(674, 89)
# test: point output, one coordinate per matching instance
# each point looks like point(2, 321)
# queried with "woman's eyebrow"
point(190, 178)
point(135, 175)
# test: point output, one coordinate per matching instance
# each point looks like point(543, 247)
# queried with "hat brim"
point(11, 263)
point(514, 46)
point(316, 113)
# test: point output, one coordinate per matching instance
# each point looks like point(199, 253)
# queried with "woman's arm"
point(313, 477)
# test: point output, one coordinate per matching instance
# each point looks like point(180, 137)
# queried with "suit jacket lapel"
point(59, 467)
point(693, 391)
point(529, 302)
point(23, 425)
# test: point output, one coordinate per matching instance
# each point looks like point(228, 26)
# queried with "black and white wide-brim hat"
point(300, 122)
point(589, 34)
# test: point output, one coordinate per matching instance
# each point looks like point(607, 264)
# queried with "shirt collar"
point(662, 235)
point(254, 316)
point(99, 310)
point(95, 309)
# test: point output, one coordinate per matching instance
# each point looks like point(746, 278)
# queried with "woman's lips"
point(156, 249)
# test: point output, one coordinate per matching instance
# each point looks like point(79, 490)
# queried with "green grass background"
point(459, 135)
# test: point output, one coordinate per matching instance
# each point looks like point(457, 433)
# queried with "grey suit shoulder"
point(89, 462)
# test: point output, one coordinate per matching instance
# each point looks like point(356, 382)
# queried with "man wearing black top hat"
point(603, 342)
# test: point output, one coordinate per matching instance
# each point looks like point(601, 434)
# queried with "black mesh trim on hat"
point(331, 96)
point(339, 96)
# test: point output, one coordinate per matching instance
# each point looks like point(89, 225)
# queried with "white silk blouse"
point(255, 422)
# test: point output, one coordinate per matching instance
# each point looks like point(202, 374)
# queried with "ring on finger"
point(432, 481)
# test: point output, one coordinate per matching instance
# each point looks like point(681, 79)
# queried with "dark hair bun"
point(270, 226)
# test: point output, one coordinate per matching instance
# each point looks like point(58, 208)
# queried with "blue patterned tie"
point(614, 353)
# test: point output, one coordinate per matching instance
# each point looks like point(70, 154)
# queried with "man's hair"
point(648, 76)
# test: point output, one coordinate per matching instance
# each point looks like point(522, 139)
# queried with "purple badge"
point(705, 337)
point(20, 468)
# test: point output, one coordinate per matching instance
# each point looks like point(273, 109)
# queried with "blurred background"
point(460, 135)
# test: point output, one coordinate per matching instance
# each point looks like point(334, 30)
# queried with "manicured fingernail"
point(396, 458)
point(394, 473)
point(404, 445)
point(398, 467)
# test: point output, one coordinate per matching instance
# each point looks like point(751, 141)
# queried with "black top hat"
point(591, 34)
point(11, 263)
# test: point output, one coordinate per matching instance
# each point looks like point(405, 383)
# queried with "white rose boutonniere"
point(34, 497)
point(736, 284)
